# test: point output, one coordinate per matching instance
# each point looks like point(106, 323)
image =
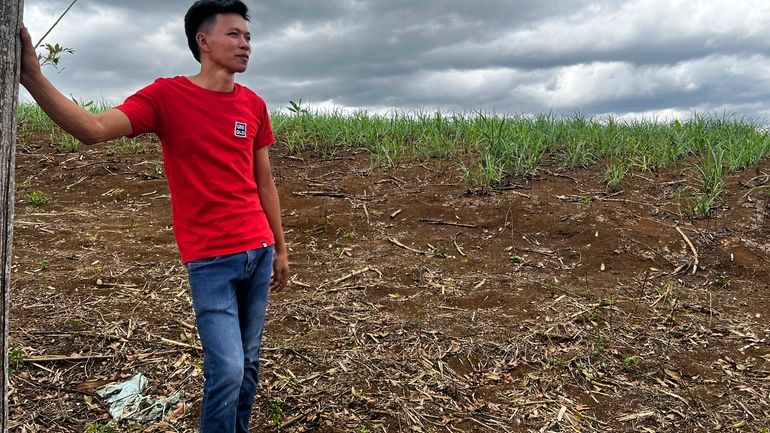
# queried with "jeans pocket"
point(201, 262)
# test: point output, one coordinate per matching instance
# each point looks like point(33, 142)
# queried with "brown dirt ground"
point(416, 305)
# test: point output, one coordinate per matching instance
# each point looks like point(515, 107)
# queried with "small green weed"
point(599, 343)
point(94, 238)
point(27, 183)
point(557, 361)
point(517, 259)
point(550, 282)
point(701, 204)
point(486, 174)
point(576, 154)
point(614, 174)
point(631, 361)
point(357, 394)
point(668, 292)
point(439, 252)
point(277, 412)
point(739, 424)
point(449, 283)
point(101, 428)
point(67, 144)
point(15, 359)
point(346, 234)
point(721, 278)
point(130, 145)
point(289, 378)
point(116, 194)
point(37, 198)
point(710, 173)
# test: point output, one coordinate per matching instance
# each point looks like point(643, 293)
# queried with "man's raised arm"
point(81, 124)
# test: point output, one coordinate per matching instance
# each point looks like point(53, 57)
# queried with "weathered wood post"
point(10, 51)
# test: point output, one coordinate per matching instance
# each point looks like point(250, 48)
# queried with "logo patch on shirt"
point(240, 129)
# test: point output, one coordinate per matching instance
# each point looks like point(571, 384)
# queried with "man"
point(226, 213)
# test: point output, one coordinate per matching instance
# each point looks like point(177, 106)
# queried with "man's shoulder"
point(248, 93)
point(170, 81)
point(162, 83)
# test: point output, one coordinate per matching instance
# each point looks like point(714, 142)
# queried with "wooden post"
point(10, 53)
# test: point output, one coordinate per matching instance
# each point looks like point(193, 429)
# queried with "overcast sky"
point(626, 57)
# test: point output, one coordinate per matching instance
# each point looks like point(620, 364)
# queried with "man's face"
point(226, 42)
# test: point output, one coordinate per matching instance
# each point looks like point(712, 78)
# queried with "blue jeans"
point(229, 296)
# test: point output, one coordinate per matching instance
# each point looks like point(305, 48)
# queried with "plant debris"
point(393, 320)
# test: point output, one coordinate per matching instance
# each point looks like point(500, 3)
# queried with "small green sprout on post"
point(53, 55)
point(54, 50)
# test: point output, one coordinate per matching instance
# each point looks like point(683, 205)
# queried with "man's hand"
point(71, 117)
point(30, 64)
point(280, 272)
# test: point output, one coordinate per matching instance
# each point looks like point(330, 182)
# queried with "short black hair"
point(203, 12)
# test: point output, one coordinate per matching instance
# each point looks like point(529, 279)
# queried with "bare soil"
point(415, 304)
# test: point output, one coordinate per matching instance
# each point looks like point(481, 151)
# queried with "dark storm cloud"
point(636, 56)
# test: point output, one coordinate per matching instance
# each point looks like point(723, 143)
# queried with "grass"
point(15, 359)
point(37, 198)
point(710, 173)
point(101, 427)
point(32, 119)
point(277, 412)
point(65, 143)
point(128, 146)
point(494, 150)
point(615, 172)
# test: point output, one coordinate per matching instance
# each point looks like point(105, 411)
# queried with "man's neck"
point(216, 80)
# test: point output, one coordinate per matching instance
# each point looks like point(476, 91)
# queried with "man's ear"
point(203, 44)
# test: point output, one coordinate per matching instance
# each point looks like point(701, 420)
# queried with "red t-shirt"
point(209, 139)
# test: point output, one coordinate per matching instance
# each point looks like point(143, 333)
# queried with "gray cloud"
point(623, 57)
